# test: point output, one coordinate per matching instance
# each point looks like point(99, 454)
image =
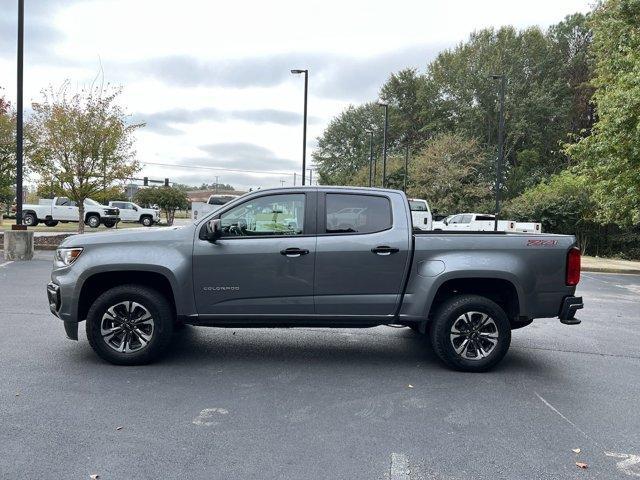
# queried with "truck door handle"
point(384, 250)
point(293, 252)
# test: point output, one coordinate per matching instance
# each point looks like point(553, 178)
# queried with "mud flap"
point(71, 329)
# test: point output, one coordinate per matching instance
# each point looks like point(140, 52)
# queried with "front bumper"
point(568, 310)
point(53, 295)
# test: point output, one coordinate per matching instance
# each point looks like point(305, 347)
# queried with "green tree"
point(610, 155)
point(401, 92)
point(83, 142)
point(450, 172)
point(169, 200)
point(7, 153)
point(343, 148)
point(459, 94)
point(563, 204)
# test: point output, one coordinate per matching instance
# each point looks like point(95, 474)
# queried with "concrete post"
point(18, 245)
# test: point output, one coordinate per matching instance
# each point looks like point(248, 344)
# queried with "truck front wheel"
point(470, 333)
point(93, 221)
point(147, 221)
point(30, 219)
point(130, 325)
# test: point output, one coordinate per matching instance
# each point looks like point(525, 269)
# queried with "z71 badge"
point(541, 243)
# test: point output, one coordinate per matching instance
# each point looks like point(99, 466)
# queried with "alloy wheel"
point(474, 335)
point(127, 327)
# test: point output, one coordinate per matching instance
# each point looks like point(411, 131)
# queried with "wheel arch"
point(91, 214)
point(94, 285)
point(503, 291)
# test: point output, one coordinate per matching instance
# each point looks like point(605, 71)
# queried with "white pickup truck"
point(420, 214)
point(132, 212)
point(480, 222)
point(62, 209)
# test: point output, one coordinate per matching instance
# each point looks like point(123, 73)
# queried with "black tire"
point(159, 336)
point(452, 312)
point(30, 220)
point(93, 221)
point(109, 223)
point(51, 223)
point(146, 221)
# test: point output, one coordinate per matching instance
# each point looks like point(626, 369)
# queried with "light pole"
point(371, 158)
point(406, 165)
point(19, 118)
point(384, 143)
point(500, 161)
point(304, 128)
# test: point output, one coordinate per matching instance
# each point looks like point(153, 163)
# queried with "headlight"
point(66, 256)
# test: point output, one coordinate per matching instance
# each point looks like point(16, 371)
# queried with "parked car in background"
point(132, 212)
point(421, 214)
point(62, 209)
point(294, 257)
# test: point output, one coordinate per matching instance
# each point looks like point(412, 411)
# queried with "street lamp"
point(371, 158)
point(19, 118)
point(304, 128)
point(406, 164)
point(503, 81)
point(384, 143)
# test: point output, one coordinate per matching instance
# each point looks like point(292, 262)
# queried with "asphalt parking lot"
point(320, 403)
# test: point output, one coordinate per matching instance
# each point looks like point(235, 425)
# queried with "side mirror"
point(135, 208)
point(445, 221)
point(214, 231)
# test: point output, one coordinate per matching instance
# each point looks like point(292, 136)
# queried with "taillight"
point(573, 267)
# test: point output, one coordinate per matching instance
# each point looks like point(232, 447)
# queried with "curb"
point(629, 271)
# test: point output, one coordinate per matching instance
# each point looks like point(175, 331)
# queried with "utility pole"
point(371, 158)
point(310, 178)
point(19, 118)
point(500, 159)
point(294, 178)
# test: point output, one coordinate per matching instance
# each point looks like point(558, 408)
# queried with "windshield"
point(88, 201)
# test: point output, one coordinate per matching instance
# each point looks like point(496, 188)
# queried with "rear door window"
point(357, 213)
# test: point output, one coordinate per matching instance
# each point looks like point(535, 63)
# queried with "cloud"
point(330, 75)
point(243, 155)
point(162, 122)
point(39, 36)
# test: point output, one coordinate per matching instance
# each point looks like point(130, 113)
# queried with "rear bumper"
point(568, 310)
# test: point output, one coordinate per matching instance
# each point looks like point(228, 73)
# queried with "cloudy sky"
point(211, 79)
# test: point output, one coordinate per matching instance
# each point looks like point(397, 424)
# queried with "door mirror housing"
point(213, 230)
point(135, 208)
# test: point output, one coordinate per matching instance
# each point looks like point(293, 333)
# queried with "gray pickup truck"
point(313, 257)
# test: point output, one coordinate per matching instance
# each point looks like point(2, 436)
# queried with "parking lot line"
point(399, 467)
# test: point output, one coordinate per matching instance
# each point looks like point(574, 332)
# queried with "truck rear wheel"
point(470, 333)
point(130, 325)
point(51, 223)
